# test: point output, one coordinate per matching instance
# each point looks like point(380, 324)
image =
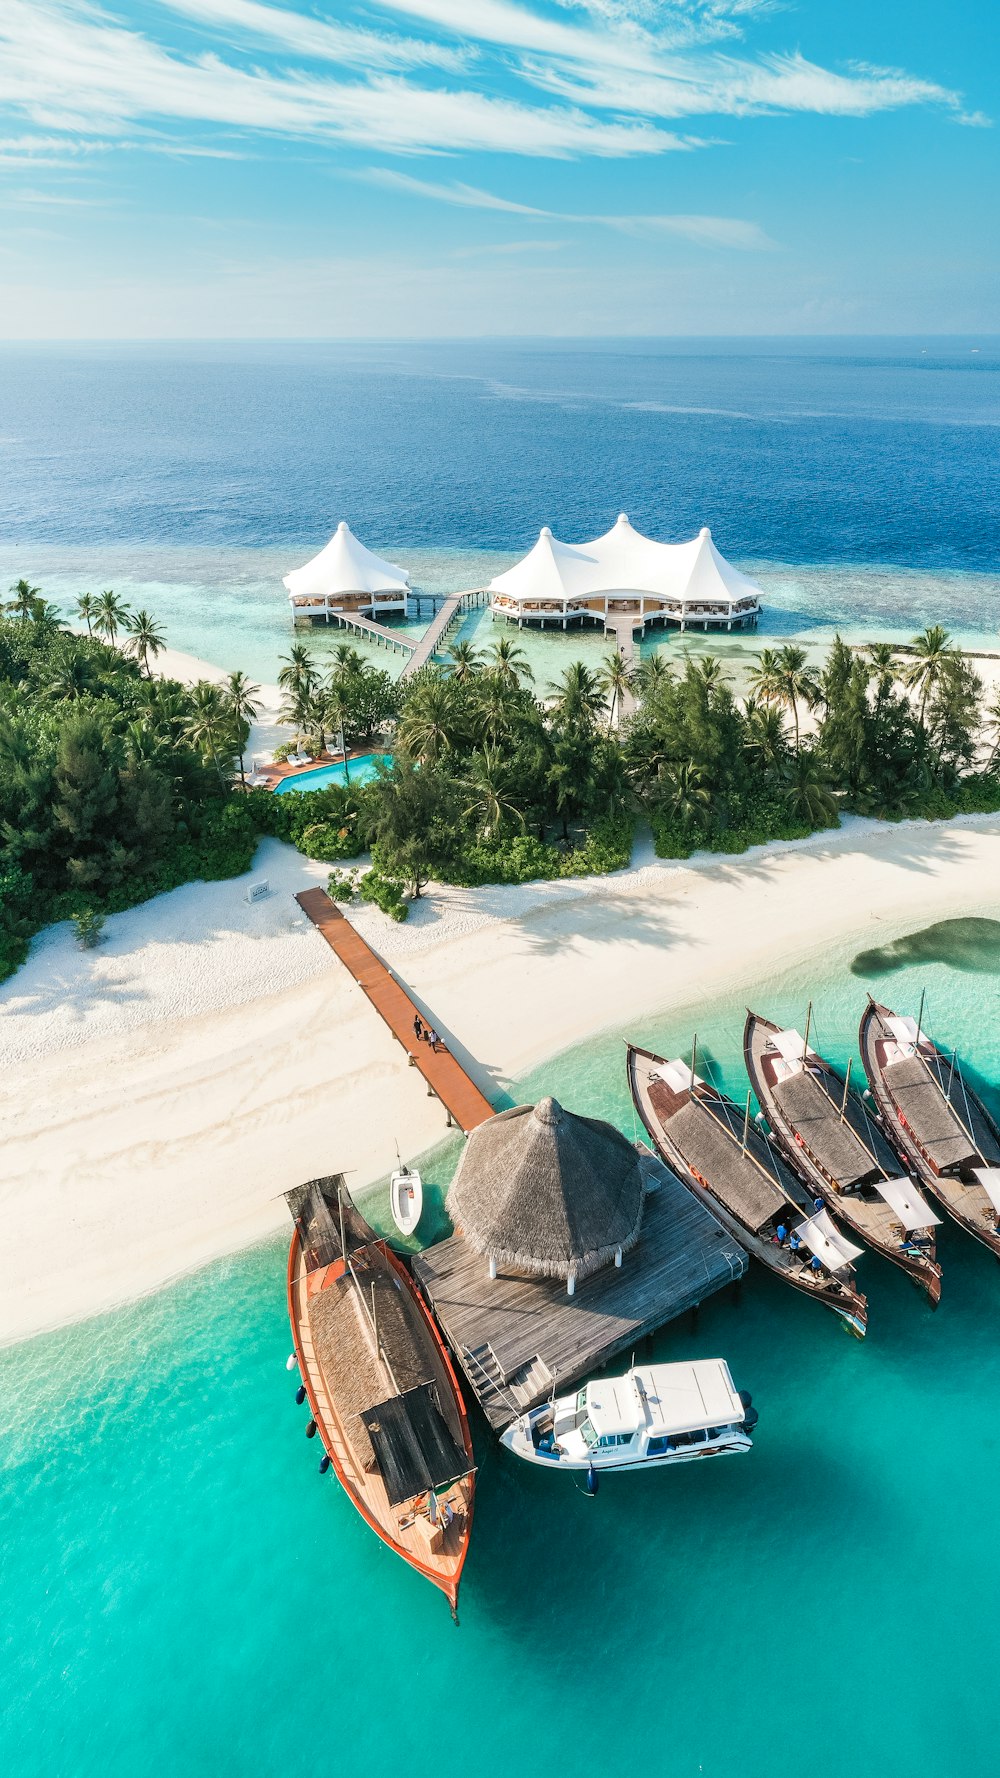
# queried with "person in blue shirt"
point(817, 1203)
point(816, 1264)
point(781, 1234)
point(793, 1242)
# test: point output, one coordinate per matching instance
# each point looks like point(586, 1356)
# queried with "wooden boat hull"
point(924, 1272)
point(895, 1127)
point(447, 1579)
point(847, 1304)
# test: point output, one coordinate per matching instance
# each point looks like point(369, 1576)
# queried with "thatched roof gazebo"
point(542, 1192)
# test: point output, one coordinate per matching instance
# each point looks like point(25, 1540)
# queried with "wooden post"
point(694, 1058)
point(746, 1125)
point(805, 1046)
point(920, 1015)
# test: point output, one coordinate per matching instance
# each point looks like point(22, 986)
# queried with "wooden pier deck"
point(433, 636)
point(368, 627)
point(465, 1105)
point(516, 1337)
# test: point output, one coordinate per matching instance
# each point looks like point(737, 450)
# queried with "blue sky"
point(242, 168)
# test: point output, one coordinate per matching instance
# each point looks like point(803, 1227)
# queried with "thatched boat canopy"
point(542, 1191)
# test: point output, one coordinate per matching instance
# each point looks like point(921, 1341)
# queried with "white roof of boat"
point(678, 1076)
point(902, 1028)
point(791, 1045)
point(345, 566)
point(823, 1238)
point(989, 1179)
point(682, 1397)
point(910, 1206)
point(666, 1398)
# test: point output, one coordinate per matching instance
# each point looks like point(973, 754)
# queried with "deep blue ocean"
point(182, 1592)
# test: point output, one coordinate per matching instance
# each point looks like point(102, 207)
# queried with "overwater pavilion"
point(570, 1244)
point(625, 577)
point(347, 580)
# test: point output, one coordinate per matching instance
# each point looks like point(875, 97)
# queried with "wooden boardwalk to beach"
point(433, 636)
point(446, 1078)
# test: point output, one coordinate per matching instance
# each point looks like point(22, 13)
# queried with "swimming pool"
point(361, 770)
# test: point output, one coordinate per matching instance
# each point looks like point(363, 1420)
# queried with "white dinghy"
point(406, 1198)
point(656, 1414)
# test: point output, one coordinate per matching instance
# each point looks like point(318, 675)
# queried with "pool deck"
point(275, 774)
point(446, 1079)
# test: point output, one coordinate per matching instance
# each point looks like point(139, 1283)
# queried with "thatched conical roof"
point(541, 1190)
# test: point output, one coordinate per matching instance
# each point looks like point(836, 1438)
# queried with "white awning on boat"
point(623, 561)
point(345, 566)
point(823, 1238)
point(904, 1030)
point(910, 1206)
point(989, 1179)
point(678, 1076)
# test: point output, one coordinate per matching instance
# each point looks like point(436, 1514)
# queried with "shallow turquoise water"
point(361, 770)
point(184, 1593)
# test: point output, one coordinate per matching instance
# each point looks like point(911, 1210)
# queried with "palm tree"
point(652, 674)
point(509, 663)
point(885, 667)
point(110, 616)
point(763, 681)
point(993, 728)
point(145, 638)
point(687, 794)
point(615, 678)
point(705, 669)
point(72, 676)
point(577, 696)
point(808, 793)
point(346, 661)
point(785, 678)
point(464, 662)
point(491, 801)
point(766, 740)
point(931, 650)
point(86, 607)
point(209, 719)
point(241, 695)
point(26, 602)
point(427, 729)
point(298, 672)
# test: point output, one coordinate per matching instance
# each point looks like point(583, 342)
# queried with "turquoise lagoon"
point(184, 1593)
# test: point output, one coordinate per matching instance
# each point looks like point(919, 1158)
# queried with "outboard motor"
point(750, 1414)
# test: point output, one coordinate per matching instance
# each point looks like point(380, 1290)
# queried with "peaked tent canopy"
point(624, 561)
point(543, 1191)
point(345, 566)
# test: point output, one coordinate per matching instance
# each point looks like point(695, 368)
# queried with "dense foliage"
point(115, 784)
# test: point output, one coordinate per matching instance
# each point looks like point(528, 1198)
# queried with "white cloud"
point(715, 231)
point(316, 38)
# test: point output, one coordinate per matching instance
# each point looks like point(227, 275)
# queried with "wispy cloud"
point(317, 39)
point(714, 231)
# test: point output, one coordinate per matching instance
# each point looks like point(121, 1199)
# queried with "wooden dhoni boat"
point(729, 1165)
point(383, 1394)
point(838, 1150)
point(934, 1118)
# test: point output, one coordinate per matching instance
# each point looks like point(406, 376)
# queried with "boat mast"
point(340, 1207)
point(847, 1088)
point(920, 1015)
point(805, 1045)
point(694, 1058)
point(746, 1124)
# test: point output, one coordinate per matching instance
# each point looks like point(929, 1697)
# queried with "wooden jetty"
point(516, 1336)
point(368, 627)
point(464, 1104)
point(433, 636)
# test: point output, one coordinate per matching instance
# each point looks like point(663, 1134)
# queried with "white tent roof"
point(623, 561)
point(910, 1206)
point(823, 1238)
point(345, 566)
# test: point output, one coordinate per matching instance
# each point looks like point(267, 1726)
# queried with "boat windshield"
point(590, 1438)
point(581, 1397)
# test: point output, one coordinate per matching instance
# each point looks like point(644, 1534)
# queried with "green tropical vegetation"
point(116, 783)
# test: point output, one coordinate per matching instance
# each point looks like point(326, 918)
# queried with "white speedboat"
point(654, 1414)
point(406, 1199)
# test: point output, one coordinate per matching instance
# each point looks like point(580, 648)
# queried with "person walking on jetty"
point(418, 1028)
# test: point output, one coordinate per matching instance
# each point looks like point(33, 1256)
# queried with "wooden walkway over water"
point(372, 631)
point(516, 1337)
point(446, 1078)
point(433, 636)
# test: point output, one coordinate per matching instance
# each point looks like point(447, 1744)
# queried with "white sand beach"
point(159, 1094)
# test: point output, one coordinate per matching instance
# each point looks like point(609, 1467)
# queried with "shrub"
point(342, 885)
point(89, 927)
point(385, 892)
